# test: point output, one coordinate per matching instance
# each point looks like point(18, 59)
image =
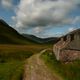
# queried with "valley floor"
point(35, 69)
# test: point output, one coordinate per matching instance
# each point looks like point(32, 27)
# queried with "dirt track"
point(35, 69)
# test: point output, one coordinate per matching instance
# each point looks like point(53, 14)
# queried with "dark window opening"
point(72, 37)
point(65, 38)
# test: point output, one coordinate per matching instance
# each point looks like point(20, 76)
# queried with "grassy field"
point(12, 59)
point(68, 71)
point(11, 70)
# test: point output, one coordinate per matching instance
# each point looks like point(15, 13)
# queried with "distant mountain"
point(41, 40)
point(8, 35)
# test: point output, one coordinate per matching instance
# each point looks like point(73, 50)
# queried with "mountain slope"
point(10, 36)
point(41, 40)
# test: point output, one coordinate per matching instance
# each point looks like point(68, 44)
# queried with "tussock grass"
point(11, 70)
point(12, 60)
point(68, 71)
point(13, 57)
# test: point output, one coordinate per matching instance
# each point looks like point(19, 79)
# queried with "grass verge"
point(68, 71)
point(12, 64)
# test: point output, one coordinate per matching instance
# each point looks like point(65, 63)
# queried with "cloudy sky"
point(43, 18)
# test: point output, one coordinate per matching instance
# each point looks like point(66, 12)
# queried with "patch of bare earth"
point(35, 69)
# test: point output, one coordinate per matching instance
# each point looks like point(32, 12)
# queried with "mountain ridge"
point(41, 40)
point(8, 35)
point(11, 36)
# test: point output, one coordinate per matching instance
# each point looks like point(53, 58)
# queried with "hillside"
point(41, 40)
point(8, 35)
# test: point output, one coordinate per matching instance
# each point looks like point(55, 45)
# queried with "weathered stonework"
point(69, 55)
point(68, 48)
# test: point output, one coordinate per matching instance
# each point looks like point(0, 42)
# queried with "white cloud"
point(71, 29)
point(6, 3)
point(68, 20)
point(13, 18)
point(76, 20)
point(73, 20)
point(37, 30)
point(43, 12)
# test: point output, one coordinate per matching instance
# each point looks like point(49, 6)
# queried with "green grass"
point(16, 55)
point(68, 71)
point(11, 70)
point(12, 64)
point(13, 57)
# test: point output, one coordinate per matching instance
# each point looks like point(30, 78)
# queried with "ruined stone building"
point(68, 48)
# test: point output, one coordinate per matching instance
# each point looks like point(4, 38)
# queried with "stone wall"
point(60, 45)
point(69, 55)
point(70, 41)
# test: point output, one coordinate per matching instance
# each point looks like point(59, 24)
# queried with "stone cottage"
point(68, 47)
